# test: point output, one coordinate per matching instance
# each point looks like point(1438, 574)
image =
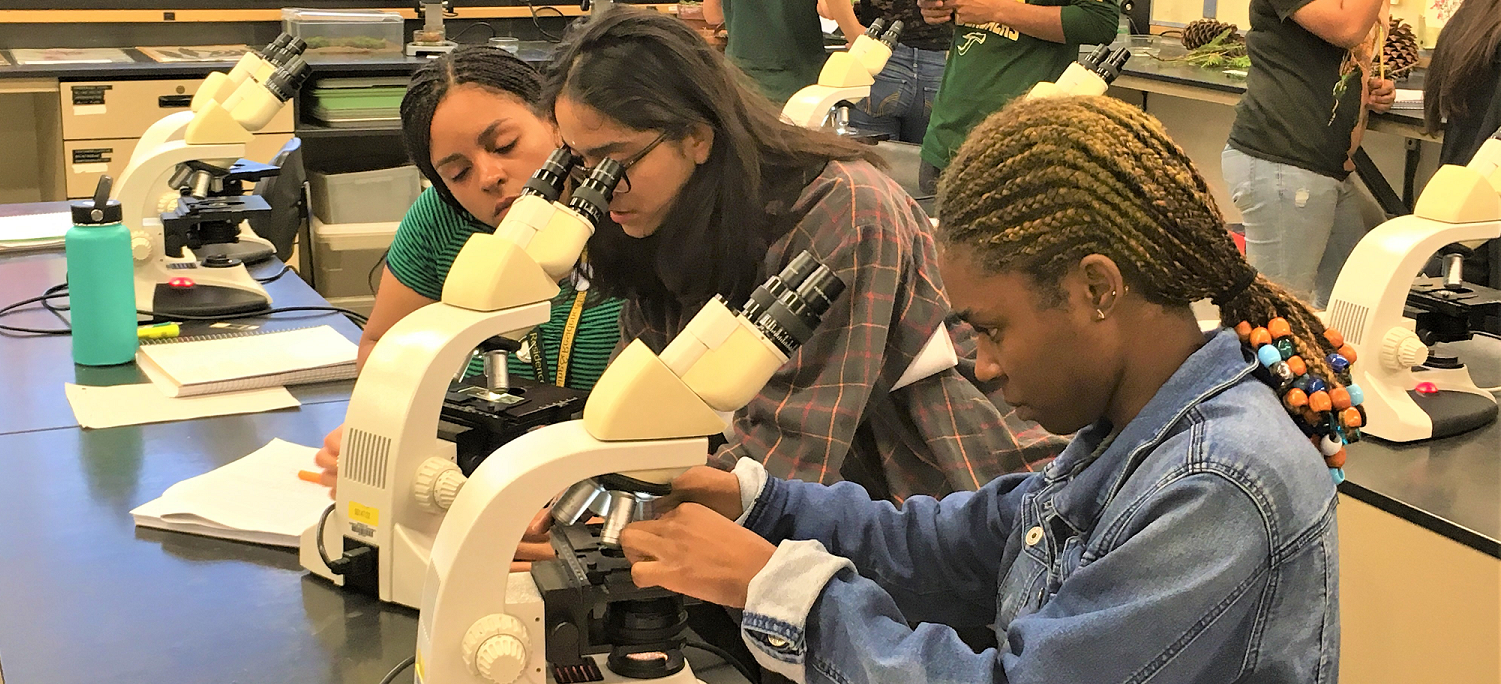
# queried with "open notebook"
point(257, 499)
point(240, 361)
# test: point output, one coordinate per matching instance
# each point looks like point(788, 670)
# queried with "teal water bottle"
point(101, 282)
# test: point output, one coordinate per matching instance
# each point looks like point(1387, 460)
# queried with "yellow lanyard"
point(565, 349)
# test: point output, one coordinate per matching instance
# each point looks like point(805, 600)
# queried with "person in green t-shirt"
point(1000, 49)
point(470, 125)
point(779, 43)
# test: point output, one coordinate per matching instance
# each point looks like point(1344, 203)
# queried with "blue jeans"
point(902, 97)
point(1300, 225)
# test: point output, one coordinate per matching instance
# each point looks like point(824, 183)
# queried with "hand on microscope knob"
point(716, 489)
point(696, 552)
point(327, 458)
point(536, 543)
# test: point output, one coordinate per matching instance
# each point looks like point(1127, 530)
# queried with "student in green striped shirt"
point(470, 126)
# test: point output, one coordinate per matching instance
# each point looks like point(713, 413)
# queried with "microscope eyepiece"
point(591, 199)
point(549, 180)
point(875, 28)
point(789, 307)
point(288, 78)
point(892, 33)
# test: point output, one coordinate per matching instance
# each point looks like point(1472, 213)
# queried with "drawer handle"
point(174, 101)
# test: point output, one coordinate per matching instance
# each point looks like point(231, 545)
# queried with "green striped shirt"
point(426, 243)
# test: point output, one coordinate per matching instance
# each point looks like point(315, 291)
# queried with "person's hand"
point(968, 11)
point(696, 552)
point(935, 11)
point(1381, 94)
point(327, 458)
point(711, 487)
point(823, 10)
point(536, 543)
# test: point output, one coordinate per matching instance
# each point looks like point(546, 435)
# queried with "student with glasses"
point(718, 194)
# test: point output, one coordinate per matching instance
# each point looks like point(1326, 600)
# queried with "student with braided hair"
point(1187, 534)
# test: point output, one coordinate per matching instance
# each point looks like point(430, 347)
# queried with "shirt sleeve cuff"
point(752, 477)
point(778, 600)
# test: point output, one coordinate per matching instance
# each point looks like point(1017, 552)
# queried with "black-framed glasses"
point(580, 172)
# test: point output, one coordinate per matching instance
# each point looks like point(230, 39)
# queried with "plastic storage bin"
point(345, 34)
point(347, 259)
point(365, 196)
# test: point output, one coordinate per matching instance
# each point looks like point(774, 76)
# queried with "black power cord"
point(551, 37)
point(391, 676)
point(284, 270)
point(54, 292)
point(725, 656)
point(60, 291)
point(456, 38)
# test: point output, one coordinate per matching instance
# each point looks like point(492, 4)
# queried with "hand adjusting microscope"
point(397, 473)
point(181, 190)
point(846, 78)
point(1410, 395)
point(646, 421)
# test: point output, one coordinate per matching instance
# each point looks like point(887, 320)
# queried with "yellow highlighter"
point(160, 331)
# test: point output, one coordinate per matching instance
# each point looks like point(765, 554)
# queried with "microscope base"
point(683, 676)
point(205, 300)
point(1455, 412)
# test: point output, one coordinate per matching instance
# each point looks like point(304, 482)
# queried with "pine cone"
point(1201, 32)
point(1400, 52)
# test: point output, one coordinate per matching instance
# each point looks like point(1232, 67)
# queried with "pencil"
point(310, 476)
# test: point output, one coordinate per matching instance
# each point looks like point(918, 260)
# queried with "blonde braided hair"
point(1043, 183)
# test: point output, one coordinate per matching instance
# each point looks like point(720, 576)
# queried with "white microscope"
point(1404, 400)
point(646, 421)
point(1089, 76)
point(397, 478)
point(195, 154)
point(218, 87)
point(846, 77)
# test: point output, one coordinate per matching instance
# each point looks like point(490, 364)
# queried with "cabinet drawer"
point(106, 110)
point(85, 160)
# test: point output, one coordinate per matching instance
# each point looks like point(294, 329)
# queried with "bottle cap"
point(100, 210)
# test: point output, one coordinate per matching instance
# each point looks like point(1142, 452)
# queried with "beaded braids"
point(490, 68)
point(1043, 183)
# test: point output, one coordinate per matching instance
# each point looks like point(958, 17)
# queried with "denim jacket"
point(1198, 545)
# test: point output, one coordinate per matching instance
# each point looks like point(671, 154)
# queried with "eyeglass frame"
point(578, 173)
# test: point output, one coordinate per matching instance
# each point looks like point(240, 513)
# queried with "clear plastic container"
point(364, 196)
point(345, 34)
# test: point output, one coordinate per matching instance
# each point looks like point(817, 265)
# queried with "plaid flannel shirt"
point(829, 414)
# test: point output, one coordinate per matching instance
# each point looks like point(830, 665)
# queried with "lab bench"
point(85, 595)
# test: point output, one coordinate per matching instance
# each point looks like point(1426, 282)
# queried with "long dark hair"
point(490, 68)
point(1464, 54)
point(650, 71)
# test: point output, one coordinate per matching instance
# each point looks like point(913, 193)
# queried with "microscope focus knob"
point(140, 247)
point(167, 202)
point(436, 484)
point(1401, 349)
point(495, 648)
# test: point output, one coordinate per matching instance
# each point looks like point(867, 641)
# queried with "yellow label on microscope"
point(365, 514)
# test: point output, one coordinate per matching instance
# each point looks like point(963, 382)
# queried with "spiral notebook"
point(231, 362)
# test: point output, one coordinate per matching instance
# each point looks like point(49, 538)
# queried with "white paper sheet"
point(117, 405)
point(258, 499)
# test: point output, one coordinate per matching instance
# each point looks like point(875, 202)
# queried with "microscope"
point(1089, 76)
point(183, 194)
point(410, 434)
point(432, 39)
point(580, 618)
point(1411, 394)
point(845, 79)
point(218, 87)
